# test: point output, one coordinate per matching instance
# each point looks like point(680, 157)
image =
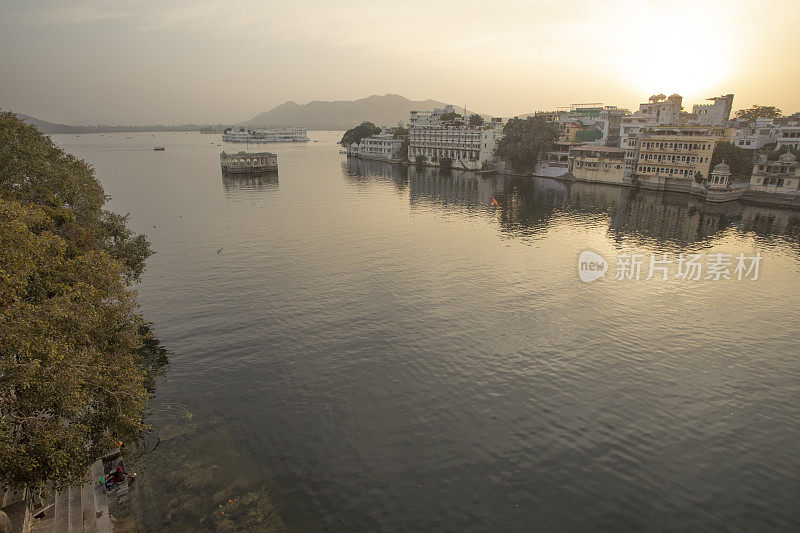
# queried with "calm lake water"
point(363, 347)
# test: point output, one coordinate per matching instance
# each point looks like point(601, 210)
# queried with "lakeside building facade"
point(461, 144)
point(630, 138)
point(383, 146)
point(596, 163)
point(490, 136)
point(781, 176)
point(666, 111)
point(467, 147)
point(555, 163)
point(657, 111)
point(669, 154)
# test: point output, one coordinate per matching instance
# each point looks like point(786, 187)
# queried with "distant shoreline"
point(65, 129)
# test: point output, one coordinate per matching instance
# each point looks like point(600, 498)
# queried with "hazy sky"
point(144, 61)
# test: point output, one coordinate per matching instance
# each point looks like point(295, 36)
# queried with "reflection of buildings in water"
point(529, 205)
point(678, 217)
point(235, 183)
point(673, 217)
point(366, 171)
point(597, 197)
point(768, 221)
point(456, 187)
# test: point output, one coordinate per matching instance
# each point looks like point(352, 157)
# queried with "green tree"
point(400, 132)
point(476, 120)
point(354, 135)
point(524, 141)
point(72, 356)
point(773, 155)
point(34, 170)
point(450, 117)
point(419, 160)
point(739, 159)
point(759, 111)
point(404, 150)
point(69, 341)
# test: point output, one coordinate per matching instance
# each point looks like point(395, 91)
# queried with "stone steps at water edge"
point(81, 509)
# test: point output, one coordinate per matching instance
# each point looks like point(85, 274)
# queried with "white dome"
point(722, 168)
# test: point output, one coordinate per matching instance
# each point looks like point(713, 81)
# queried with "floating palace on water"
point(290, 135)
point(248, 162)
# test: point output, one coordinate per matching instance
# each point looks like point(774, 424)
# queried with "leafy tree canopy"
point(759, 111)
point(524, 141)
point(354, 135)
point(400, 132)
point(449, 117)
point(72, 356)
point(476, 120)
point(773, 155)
point(34, 170)
point(69, 336)
point(739, 159)
point(404, 150)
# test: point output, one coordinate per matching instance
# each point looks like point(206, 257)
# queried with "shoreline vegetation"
point(77, 360)
point(78, 363)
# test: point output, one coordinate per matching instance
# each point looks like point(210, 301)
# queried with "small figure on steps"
point(116, 476)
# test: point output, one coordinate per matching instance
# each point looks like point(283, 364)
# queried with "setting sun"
point(653, 57)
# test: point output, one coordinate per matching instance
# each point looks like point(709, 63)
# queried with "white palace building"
point(467, 147)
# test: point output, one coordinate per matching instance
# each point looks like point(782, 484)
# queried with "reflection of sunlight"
point(669, 52)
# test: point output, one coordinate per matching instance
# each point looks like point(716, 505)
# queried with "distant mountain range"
point(385, 110)
point(49, 127)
